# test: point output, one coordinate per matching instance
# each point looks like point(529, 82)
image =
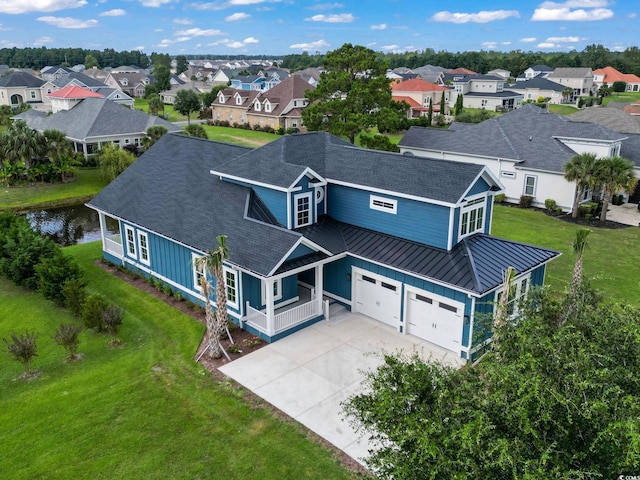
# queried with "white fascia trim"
point(526, 272)
point(450, 233)
point(390, 193)
point(314, 246)
point(589, 140)
point(474, 155)
point(295, 271)
point(245, 180)
point(301, 241)
point(483, 174)
point(307, 171)
point(405, 272)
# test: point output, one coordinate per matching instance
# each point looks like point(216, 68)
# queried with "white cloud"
point(317, 45)
point(154, 3)
point(573, 11)
point(547, 45)
point(182, 21)
point(528, 39)
point(139, 48)
point(116, 12)
point(484, 16)
point(632, 15)
point(382, 26)
point(68, 22)
point(564, 39)
point(489, 45)
point(198, 32)
point(390, 48)
point(42, 41)
point(235, 43)
point(237, 16)
point(24, 6)
point(326, 6)
point(338, 18)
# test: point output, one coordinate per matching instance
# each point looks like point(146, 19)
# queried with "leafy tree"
point(196, 130)
point(161, 60)
point(53, 272)
point(152, 135)
point(74, 293)
point(182, 65)
point(90, 61)
point(187, 102)
point(23, 348)
point(567, 93)
point(209, 97)
point(604, 90)
point(113, 161)
point(561, 402)
point(68, 336)
point(212, 263)
point(162, 78)
point(156, 105)
point(353, 93)
point(60, 151)
point(378, 142)
point(580, 169)
point(612, 175)
point(619, 86)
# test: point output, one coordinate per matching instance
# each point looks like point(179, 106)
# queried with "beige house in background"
point(579, 79)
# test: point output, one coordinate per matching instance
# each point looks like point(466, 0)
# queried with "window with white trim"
point(257, 106)
point(238, 100)
point(517, 293)
point(472, 217)
point(231, 282)
point(198, 272)
point(143, 245)
point(267, 106)
point(130, 241)
point(383, 204)
point(530, 185)
point(277, 291)
point(302, 213)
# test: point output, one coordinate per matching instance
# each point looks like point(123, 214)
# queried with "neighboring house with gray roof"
point(312, 220)
point(579, 79)
point(526, 149)
point(21, 87)
point(131, 83)
point(97, 121)
point(481, 91)
point(613, 118)
point(540, 87)
point(535, 71)
point(54, 72)
point(78, 79)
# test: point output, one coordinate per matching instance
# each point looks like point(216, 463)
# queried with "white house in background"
point(579, 79)
point(68, 97)
point(499, 72)
point(526, 149)
point(540, 87)
point(481, 91)
point(535, 71)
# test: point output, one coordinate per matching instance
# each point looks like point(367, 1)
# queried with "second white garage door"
point(378, 297)
point(435, 318)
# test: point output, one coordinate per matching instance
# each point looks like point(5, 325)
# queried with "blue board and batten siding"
point(481, 186)
point(418, 221)
point(275, 200)
point(252, 287)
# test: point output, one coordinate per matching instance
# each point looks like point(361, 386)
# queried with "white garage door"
point(435, 318)
point(378, 297)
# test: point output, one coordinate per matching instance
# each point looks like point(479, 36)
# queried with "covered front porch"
point(274, 321)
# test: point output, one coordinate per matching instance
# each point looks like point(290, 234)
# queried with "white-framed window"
point(302, 213)
point(257, 106)
point(517, 293)
point(472, 217)
point(33, 94)
point(198, 272)
point(238, 100)
point(130, 238)
point(221, 98)
point(267, 107)
point(231, 282)
point(277, 291)
point(506, 174)
point(530, 185)
point(143, 245)
point(383, 204)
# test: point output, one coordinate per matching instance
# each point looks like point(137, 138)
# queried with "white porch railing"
point(284, 320)
point(114, 245)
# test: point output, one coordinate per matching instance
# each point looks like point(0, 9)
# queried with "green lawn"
point(142, 104)
point(562, 109)
point(87, 183)
point(239, 136)
point(627, 97)
point(144, 410)
point(610, 261)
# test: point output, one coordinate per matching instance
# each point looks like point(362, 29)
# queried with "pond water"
point(68, 225)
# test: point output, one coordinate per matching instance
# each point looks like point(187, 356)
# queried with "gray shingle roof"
point(64, 80)
point(526, 135)
point(476, 264)
point(95, 117)
point(169, 190)
point(538, 82)
point(612, 118)
point(282, 161)
point(21, 79)
point(570, 72)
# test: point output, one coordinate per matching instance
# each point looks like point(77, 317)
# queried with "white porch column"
point(319, 287)
point(103, 230)
point(268, 290)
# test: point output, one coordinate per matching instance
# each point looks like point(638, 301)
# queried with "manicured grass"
point(173, 116)
point(87, 184)
point(562, 109)
point(610, 261)
point(239, 136)
point(627, 97)
point(142, 410)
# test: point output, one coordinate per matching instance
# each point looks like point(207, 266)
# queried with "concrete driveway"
point(627, 214)
point(309, 373)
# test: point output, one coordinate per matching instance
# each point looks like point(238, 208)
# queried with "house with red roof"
point(419, 94)
point(609, 75)
point(68, 97)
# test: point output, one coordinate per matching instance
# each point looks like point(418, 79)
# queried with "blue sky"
point(280, 27)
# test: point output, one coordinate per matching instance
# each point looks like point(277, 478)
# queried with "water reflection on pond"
point(69, 225)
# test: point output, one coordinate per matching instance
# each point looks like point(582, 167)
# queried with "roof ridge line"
point(472, 263)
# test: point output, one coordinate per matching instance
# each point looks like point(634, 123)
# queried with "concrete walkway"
point(309, 373)
point(627, 214)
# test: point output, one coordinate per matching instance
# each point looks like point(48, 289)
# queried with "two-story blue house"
point(311, 219)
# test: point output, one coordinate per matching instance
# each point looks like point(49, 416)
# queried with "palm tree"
point(502, 309)
point(580, 170)
point(579, 245)
point(613, 174)
point(213, 263)
point(153, 135)
point(59, 148)
point(22, 144)
point(156, 105)
point(567, 93)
